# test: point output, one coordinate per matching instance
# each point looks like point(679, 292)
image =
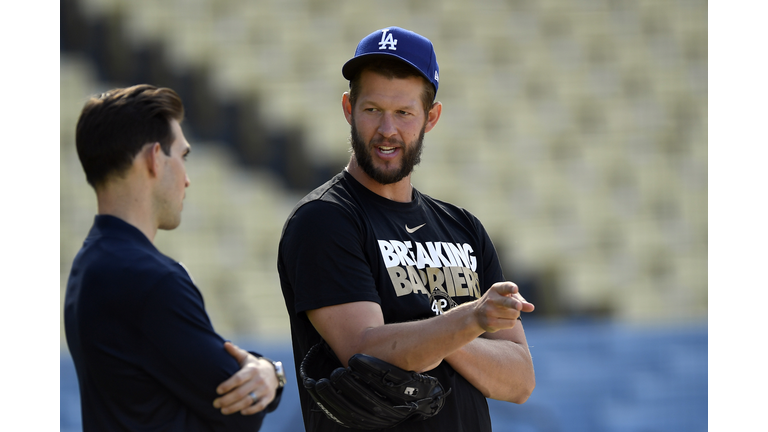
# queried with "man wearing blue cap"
point(368, 264)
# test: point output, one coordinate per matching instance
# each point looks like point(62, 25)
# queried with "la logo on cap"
point(387, 39)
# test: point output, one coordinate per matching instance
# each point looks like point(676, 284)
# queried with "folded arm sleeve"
point(186, 355)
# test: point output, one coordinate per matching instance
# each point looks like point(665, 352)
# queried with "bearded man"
point(369, 264)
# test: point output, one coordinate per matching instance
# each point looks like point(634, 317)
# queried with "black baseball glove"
point(370, 393)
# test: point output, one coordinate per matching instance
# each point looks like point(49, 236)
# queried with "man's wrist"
point(281, 381)
point(279, 372)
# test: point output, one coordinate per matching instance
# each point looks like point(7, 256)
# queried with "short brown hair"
point(114, 126)
point(392, 68)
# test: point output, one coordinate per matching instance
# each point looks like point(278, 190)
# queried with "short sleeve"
point(324, 259)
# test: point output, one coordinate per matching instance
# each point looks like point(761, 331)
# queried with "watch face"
point(280, 373)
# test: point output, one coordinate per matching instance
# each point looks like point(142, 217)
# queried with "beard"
point(364, 156)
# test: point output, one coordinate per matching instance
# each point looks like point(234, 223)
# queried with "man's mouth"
point(387, 150)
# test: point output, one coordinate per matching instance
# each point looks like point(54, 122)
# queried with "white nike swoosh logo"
point(413, 230)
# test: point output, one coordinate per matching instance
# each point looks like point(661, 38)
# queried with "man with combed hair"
point(146, 354)
point(369, 264)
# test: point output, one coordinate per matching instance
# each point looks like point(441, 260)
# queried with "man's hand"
point(500, 307)
point(255, 376)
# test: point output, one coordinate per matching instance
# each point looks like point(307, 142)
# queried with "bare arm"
point(498, 364)
point(419, 345)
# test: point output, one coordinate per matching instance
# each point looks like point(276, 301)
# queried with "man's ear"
point(433, 116)
point(347, 107)
point(151, 157)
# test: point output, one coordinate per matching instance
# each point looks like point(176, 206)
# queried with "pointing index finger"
point(506, 288)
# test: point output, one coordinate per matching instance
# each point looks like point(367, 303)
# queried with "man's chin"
point(170, 225)
point(388, 176)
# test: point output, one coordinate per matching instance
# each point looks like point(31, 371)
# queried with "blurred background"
point(576, 130)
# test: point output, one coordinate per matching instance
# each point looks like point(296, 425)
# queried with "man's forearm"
point(358, 327)
point(421, 345)
point(501, 369)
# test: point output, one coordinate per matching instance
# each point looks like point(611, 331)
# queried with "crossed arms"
point(482, 340)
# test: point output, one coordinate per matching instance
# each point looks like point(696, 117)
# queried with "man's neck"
point(401, 191)
point(131, 207)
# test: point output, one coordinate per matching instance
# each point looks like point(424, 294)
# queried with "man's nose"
point(387, 125)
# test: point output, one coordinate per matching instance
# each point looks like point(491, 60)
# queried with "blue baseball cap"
point(410, 47)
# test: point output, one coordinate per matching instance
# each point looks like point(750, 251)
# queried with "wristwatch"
point(279, 371)
point(281, 380)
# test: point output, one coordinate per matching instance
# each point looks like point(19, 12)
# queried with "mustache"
point(390, 142)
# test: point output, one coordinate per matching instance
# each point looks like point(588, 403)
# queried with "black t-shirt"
point(343, 243)
point(146, 355)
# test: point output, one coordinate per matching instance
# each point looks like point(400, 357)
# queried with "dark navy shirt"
point(146, 354)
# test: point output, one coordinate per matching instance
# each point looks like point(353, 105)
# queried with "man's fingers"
point(244, 404)
point(521, 305)
point(240, 376)
point(505, 288)
point(236, 391)
point(511, 290)
point(501, 306)
point(239, 354)
point(233, 390)
point(232, 382)
point(263, 401)
point(238, 405)
point(505, 308)
point(526, 305)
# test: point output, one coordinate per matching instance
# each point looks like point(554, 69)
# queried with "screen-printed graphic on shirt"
point(441, 270)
